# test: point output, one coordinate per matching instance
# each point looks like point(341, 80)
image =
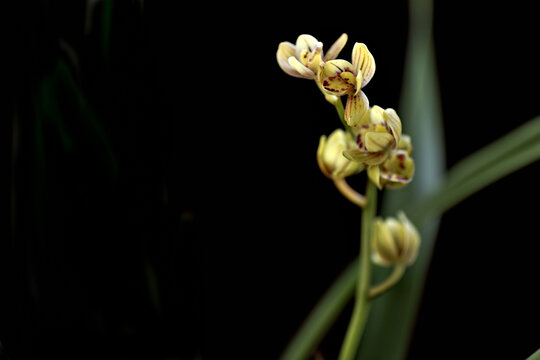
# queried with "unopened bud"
point(330, 156)
point(394, 241)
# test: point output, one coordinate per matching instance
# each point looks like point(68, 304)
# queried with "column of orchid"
point(371, 142)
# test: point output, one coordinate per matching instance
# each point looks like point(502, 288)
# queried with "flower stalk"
point(349, 193)
point(362, 297)
point(370, 142)
point(390, 281)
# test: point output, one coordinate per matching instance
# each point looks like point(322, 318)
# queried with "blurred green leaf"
point(515, 150)
point(323, 315)
point(535, 356)
point(389, 328)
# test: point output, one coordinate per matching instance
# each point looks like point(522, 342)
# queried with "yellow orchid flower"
point(302, 60)
point(340, 77)
point(398, 168)
point(378, 132)
point(394, 241)
point(330, 155)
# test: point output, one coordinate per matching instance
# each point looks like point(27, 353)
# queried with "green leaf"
point(323, 316)
point(515, 150)
point(389, 328)
point(535, 356)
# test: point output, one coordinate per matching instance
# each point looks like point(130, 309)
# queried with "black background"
point(202, 175)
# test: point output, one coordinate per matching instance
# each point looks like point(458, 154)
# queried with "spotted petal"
point(363, 63)
point(398, 170)
point(336, 48)
point(336, 77)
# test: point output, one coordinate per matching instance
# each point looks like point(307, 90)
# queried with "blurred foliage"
point(103, 248)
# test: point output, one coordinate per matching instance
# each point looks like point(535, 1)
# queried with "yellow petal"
point(363, 62)
point(378, 141)
point(413, 239)
point(336, 67)
point(405, 144)
point(300, 68)
point(305, 42)
point(320, 155)
point(394, 123)
point(284, 52)
point(314, 60)
point(359, 80)
point(373, 173)
point(398, 170)
point(356, 108)
point(384, 251)
point(365, 157)
point(336, 48)
point(376, 115)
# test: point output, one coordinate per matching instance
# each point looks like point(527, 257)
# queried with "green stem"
point(341, 113)
point(338, 104)
point(322, 316)
point(392, 280)
point(362, 300)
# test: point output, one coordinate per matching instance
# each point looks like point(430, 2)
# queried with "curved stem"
point(362, 300)
point(351, 194)
point(392, 280)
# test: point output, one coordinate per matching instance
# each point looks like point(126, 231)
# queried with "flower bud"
point(330, 155)
point(394, 241)
point(397, 170)
point(378, 133)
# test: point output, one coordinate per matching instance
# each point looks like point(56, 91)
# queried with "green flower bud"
point(330, 155)
point(394, 241)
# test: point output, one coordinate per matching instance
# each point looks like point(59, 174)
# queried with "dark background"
point(165, 200)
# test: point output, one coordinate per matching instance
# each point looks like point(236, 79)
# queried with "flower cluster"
point(372, 139)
